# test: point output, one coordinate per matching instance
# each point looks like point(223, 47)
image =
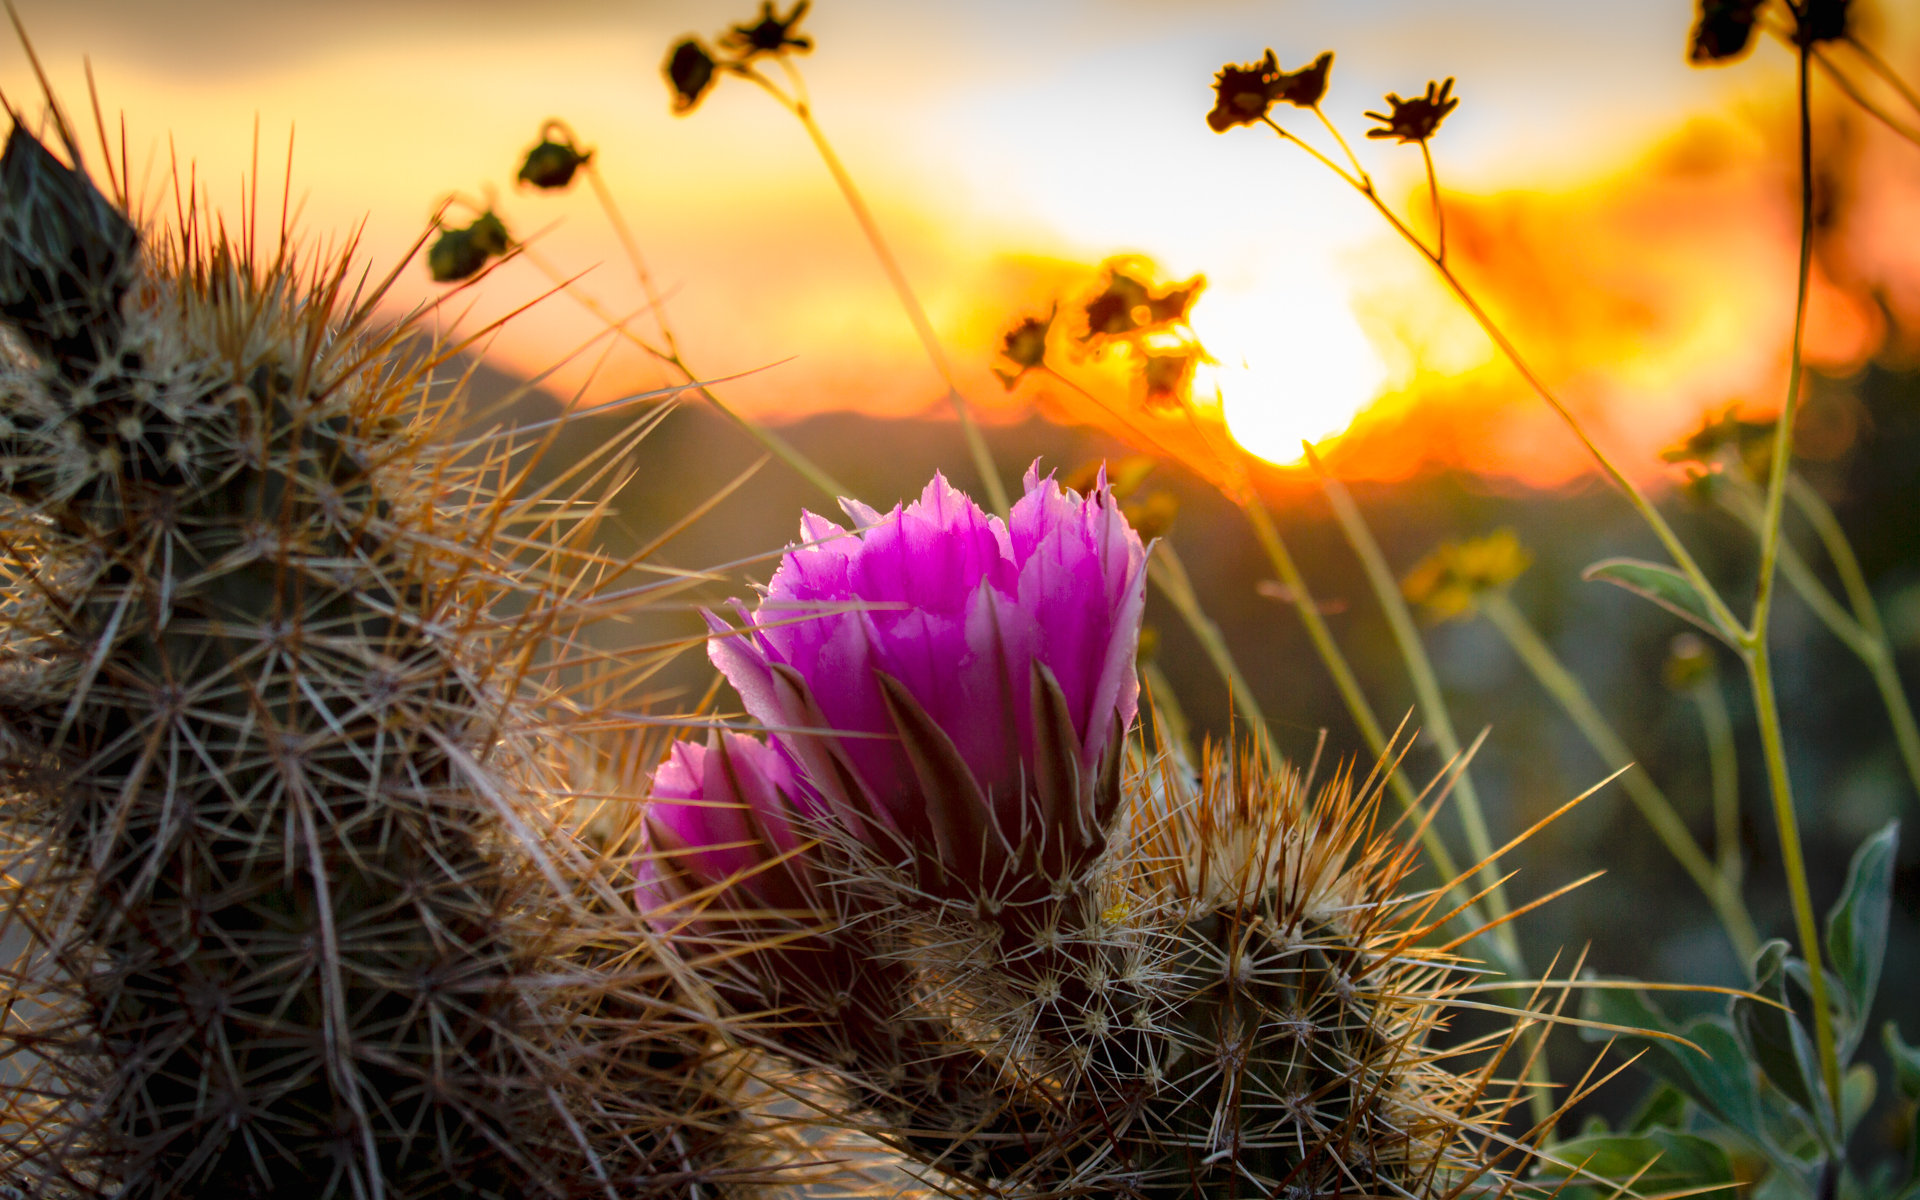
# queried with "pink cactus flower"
point(952, 684)
point(722, 812)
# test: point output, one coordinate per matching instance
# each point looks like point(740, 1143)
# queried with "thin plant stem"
point(1861, 631)
point(1439, 723)
point(1751, 639)
point(1359, 172)
point(1169, 574)
point(1723, 765)
point(1439, 213)
point(1426, 685)
point(909, 300)
point(1356, 700)
point(1866, 103)
point(786, 451)
point(1242, 493)
point(628, 243)
point(1176, 586)
point(1758, 655)
point(1885, 71)
point(1318, 633)
point(1653, 804)
point(1886, 671)
point(1655, 521)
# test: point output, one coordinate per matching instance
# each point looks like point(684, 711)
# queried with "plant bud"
point(550, 165)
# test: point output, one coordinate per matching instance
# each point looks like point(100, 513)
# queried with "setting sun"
point(1286, 372)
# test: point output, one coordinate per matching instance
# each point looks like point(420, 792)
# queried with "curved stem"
point(1882, 663)
point(1439, 213)
point(786, 451)
point(1723, 762)
point(1653, 804)
point(1861, 632)
point(909, 300)
point(1852, 91)
point(1757, 654)
point(1426, 685)
point(1668, 538)
point(1885, 71)
point(632, 247)
point(1169, 574)
point(1359, 171)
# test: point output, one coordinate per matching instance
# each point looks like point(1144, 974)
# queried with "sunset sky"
point(1635, 210)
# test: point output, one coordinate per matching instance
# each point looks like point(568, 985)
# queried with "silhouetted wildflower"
point(689, 69)
point(771, 34)
point(1723, 31)
point(1417, 119)
point(1821, 21)
point(1751, 442)
point(1243, 94)
point(551, 165)
point(1025, 346)
point(1169, 376)
point(1173, 304)
point(460, 253)
point(1305, 87)
point(1112, 312)
point(1129, 305)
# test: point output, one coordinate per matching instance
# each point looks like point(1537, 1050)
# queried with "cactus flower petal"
point(915, 639)
point(723, 811)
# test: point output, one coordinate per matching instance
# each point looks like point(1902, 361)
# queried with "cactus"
point(1039, 960)
point(293, 905)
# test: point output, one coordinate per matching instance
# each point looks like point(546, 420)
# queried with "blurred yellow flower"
point(1448, 582)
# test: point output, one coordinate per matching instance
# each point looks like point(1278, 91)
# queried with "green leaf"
point(1906, 1061)
point(1906, 1080)
point(1857, 1091)
point(1664, 586)
point(1857, 926)
point(1664, 1160)
point(1665, 1107)
point(1774, 1038)
point(1719, 1079)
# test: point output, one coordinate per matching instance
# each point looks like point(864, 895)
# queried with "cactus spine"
point(1233, 992)
point(293, 909)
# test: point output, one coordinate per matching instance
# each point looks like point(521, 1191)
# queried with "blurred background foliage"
point(1643, 917)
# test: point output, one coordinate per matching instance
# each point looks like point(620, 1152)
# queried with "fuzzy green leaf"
point(1665, 1107)
point(1857, 1091)
point(1774, 1038)
point(1663, 1160)
point(1664, 586)
point(1906, 1061)
point(1719, 1079)
point(1857, 926)
point(1906, 1080)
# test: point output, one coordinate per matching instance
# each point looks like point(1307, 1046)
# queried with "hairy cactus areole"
point(290, 908)
point(1042, 959)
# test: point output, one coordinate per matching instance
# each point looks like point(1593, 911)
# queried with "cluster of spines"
point(1234, 993)
point(287, 869)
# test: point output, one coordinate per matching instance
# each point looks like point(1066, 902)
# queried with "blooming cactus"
point(724, 813)
point(952, 685)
